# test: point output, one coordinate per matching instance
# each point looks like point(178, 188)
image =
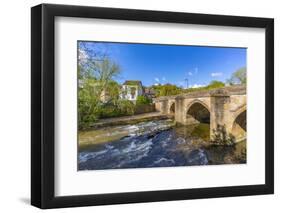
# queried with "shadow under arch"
point(172, 108)
point(197, 112)
point(239, 126)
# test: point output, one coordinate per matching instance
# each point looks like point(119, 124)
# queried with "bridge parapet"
point(219, 93)
point(230, 90)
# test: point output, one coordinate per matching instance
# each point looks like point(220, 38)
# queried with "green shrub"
point(88, 108)
point(109, 110)
point(221, 137)
point(126, 107)
point(141, 100)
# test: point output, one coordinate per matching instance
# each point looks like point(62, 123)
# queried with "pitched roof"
point(132, 82)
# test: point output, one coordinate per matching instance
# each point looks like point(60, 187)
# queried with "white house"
point(130, 90)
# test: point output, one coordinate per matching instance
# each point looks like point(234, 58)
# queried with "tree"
point(88, 56)
point(238, 77)
point(88, 104)
point(215, 84)
point(167, 90)
point(142, 100)
point(102, 75)
point(95, 73)
point(112, 92)
point(212, 85)
point(126, 107)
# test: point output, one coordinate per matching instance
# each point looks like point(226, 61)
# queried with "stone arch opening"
point(172, 109)
point(239, 127)
point(198, 113)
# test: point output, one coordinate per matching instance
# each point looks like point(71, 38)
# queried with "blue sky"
point(156, 63)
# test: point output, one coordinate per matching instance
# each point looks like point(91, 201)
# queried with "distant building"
point(104, 96)
point(149, 92)
point(131, 89)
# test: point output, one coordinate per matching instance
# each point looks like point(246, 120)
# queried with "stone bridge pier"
point(224, 107)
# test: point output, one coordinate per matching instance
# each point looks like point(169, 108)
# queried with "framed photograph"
point(139, 106)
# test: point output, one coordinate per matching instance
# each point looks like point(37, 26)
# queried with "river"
point(153, 144)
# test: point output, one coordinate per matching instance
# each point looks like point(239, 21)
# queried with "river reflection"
point(153, 144)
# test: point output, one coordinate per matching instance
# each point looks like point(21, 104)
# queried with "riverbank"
point(107, 134)
point(125, 120)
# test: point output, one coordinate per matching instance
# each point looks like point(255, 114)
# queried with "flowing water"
point(153, 144)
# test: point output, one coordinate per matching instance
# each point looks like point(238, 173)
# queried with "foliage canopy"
point(238, 77)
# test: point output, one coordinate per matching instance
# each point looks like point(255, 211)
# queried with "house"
point(149, 92)
point(131, 89)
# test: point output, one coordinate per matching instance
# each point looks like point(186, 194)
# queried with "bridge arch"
point(172, 108)
point(239, 125)
point(197, 112)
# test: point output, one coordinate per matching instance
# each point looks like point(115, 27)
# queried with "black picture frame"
point(43, 102)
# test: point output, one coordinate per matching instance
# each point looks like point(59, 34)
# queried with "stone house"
point(131, 89)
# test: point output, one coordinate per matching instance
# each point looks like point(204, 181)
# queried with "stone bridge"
point(219, 107)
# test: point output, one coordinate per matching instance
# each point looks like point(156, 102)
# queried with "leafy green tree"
point(112, 91)
point(212, 85)
point(96, 74)
point(88, 104)
point(167, 90)
point(142, 100)
point(238, 77)
point(126, 107)
point(215, 84)
point(105, 71)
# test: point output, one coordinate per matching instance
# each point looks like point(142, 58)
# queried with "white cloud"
point(216, 74)
point(161, 80)
point(193, 71)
